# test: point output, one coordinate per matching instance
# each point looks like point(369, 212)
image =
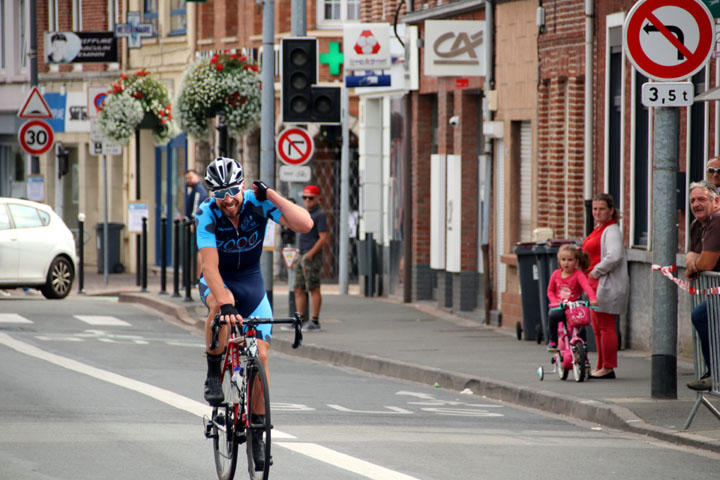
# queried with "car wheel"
point(59, 279)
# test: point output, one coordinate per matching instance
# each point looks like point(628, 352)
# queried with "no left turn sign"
point(295, 146)
point(36, 137)
point(669, 40)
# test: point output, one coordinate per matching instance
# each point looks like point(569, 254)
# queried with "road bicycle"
point(240, 419)
point(571, 351)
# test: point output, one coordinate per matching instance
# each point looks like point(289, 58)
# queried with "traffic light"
point(325, 104)
point(299, 74)
point(63, 160)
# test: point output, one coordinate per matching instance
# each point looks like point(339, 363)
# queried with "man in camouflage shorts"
point(309, 264)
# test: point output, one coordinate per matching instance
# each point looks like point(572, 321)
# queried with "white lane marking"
point(323, 454)
point(102, 320)
point(165, 396)
point(13, 318)
point(340, 408)
point(346, 462)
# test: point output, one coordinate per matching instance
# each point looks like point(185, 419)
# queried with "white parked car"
point(36, 248)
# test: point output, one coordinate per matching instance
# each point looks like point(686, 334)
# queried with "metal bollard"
point(186, 264)
point(176, 258)
point(143, 277)
point(138, 261)
point(163, 255)
point(81, 252)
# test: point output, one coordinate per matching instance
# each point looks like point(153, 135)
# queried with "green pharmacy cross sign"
point(713, 6)
point(334, 58)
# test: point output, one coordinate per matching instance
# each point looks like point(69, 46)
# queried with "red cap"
point(311, 190)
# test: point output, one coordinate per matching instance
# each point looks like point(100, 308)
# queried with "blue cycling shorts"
point(248, 309)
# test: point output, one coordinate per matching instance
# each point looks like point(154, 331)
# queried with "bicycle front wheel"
point(258, 407)
point(225, 447)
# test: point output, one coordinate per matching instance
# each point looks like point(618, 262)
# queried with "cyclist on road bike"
point(230, 232)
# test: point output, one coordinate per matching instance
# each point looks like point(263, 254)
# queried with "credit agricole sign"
point(454, 48)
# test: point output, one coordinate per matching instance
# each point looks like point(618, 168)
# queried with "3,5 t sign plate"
point(668, 94)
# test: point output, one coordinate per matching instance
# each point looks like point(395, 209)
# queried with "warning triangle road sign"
point(35, 106)
point(290, 255)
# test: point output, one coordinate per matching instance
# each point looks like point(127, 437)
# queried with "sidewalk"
point(422, 343)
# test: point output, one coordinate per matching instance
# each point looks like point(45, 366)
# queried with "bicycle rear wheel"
point(258, 400)
point(225, 447)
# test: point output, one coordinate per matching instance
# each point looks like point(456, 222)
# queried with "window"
point(150, 14)
point(4, 218)
point(178, 17)
point(24, 216)
point(332, 13)
point(641, 167)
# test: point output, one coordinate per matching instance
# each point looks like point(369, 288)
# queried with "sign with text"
point(668, 94)
point(366, 46)
point(80, 47)
point(454, 48)
point(295, 173)
point(136, 212)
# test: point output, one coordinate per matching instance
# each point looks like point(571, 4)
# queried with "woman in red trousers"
point(608, 276)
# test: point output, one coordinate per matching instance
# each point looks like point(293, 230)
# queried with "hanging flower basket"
point(226, 84)
point(137, 101)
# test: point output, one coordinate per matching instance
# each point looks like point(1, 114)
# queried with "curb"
point(593, 411)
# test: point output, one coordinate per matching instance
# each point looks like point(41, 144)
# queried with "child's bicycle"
point(572, 351)
point(246, 391)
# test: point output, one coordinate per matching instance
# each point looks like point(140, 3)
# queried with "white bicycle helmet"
point(223, 172)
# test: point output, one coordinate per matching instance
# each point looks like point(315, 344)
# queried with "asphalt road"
point(95, 389)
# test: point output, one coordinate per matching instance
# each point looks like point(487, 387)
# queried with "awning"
point(709, 95)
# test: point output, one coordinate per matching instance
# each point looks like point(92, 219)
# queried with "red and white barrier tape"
point(684, 284)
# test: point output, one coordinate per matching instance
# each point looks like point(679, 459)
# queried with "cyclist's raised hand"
point(229, 314)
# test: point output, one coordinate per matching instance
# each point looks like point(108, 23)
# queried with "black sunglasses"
point(307, 198)
point(713, 171)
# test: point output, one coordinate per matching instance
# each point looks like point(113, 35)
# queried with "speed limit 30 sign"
point(36, 137)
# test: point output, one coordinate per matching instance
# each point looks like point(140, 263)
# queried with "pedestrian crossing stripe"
point(13, 318)
point(102, 320)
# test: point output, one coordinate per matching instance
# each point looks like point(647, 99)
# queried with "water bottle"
point(235, 383)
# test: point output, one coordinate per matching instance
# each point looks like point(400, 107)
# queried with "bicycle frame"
point(572, 351)
point(236, 418)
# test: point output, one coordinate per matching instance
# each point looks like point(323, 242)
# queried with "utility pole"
point(665, 240)
point(298, 28)
point(267, 130)
point(32, 53)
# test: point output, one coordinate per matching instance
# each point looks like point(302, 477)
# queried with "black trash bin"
point(531, 325)
point(114, 265)
point(541, 251)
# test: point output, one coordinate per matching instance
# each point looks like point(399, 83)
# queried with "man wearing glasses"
point(713, 172)
point(230, 232)
point(309, 265)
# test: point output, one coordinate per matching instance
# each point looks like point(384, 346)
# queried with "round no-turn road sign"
point(295, 146)
point(669, 39)
point(36, 137)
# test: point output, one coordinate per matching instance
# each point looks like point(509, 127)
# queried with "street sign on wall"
point(669, 40)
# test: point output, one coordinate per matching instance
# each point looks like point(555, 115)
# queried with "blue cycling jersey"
point(238, 249)
point(239, 252)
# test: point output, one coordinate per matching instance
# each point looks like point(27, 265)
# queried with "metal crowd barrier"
point(708, 284)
